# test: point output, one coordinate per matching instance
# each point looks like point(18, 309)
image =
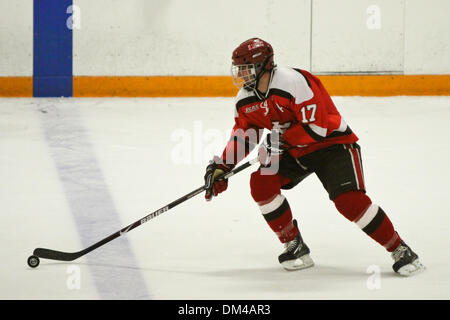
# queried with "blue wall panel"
point(52, 49)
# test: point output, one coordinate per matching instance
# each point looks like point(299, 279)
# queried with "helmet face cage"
point(250, 59)
point(244, 75)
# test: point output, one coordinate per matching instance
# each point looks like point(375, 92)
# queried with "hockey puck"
point(33, 261)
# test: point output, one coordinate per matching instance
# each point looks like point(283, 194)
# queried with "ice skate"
point(296, 254)
point(406, 261)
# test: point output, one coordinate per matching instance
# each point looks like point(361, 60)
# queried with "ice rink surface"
point(75, 170)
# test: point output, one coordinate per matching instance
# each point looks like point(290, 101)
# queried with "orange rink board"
point(16, 86)
point(222, 86)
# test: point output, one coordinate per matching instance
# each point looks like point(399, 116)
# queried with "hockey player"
point(308, 135)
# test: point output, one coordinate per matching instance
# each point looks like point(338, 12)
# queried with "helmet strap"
point(262, 70)
point(258, 93)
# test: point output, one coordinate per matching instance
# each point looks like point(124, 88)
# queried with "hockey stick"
point(33, 261)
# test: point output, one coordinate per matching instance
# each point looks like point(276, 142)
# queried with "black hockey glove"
point(215, 185)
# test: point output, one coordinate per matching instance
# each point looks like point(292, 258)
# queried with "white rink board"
point(149, 38)
point(427, 42)
point(141, 37)
point(222, 249)
point(357, 36)
point(16, 38)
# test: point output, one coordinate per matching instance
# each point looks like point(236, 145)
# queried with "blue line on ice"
point(113, 266)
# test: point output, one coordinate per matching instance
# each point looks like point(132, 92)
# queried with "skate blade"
point(298, 264)
point(411, 269)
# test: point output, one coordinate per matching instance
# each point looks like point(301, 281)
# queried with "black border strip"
point(277, 212)
point(375, 223)
point(312, 134)
point(246, 101)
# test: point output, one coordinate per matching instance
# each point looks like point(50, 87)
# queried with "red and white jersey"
point(298, 106)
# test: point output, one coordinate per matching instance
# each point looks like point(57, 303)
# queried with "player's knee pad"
point(352, 204)
point(263, 187)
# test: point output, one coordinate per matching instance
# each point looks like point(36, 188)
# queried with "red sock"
point(356, 206)
point(276, 211)
point(278, 215)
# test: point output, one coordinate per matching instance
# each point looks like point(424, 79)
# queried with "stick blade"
point(55, 255)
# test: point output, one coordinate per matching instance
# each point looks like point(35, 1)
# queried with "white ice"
point(73, 171)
